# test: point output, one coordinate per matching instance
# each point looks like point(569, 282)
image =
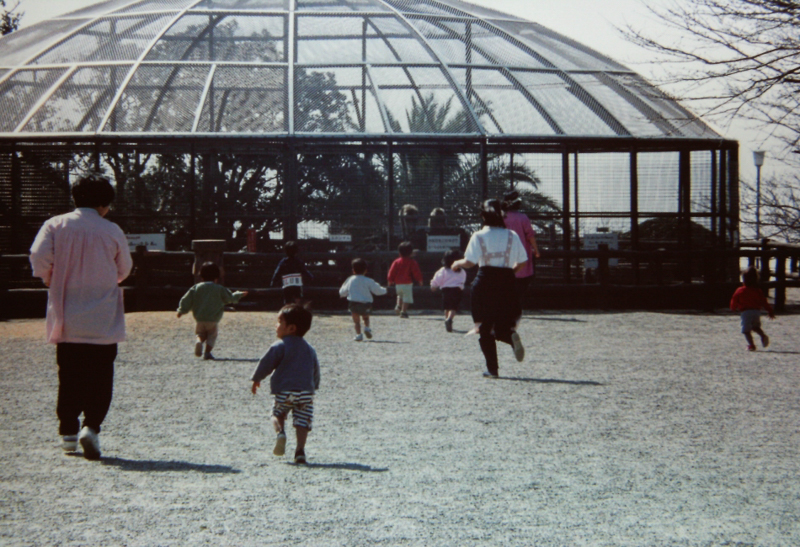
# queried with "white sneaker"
point(358, 338)
point(368, 332)
point(90, 443)
point(69, 443)
point(519, 350)
point(280, 444)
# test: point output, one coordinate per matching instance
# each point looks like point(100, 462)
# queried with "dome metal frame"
point(304, 78)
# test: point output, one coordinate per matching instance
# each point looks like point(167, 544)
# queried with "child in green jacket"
point(207, 301)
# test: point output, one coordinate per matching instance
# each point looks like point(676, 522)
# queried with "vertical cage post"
point(390, 194)
point(565, 213)
point(633, 156)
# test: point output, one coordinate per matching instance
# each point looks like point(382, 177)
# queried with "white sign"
point(443, 243)
point(592, 242)
point(153, 242)
point(340, 238)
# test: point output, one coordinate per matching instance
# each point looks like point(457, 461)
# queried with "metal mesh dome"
point(319, 67)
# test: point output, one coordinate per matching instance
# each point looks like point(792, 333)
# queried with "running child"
point(207, 301)
point(749, 300)
point(358, 289)
point(295, 378)
point(452, 286)
point(291, 272)
point(403, 273)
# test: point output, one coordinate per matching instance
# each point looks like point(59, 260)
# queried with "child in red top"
point(403, 273)
point(749, 300)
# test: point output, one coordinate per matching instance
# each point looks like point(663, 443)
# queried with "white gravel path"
point(618, 429)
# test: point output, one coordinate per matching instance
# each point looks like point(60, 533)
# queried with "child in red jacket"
point(749, 300)
point(403, 273)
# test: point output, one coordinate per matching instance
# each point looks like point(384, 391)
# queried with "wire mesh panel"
point(334, 100)
point(658, 182)
point(245, 100)
point(502, 107)
point(107, 39)
point(341, 5)
point(604, 183)
point(421, 100)
point(561, 101)
point(220, 37)
point(153, 5)
point(160, 98)
point(21, 91)
point(21, 45)
point(243, 4)
point(80, 103)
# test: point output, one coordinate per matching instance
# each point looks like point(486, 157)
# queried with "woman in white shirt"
point(499, 254)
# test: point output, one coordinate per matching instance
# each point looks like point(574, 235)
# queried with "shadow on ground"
point(154, 465)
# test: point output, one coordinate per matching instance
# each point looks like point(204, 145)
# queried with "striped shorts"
point(301, 403)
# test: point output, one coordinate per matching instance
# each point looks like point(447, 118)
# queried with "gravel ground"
point(617, 429)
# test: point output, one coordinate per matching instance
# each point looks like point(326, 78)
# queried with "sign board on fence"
point(153, 242)
point(438, 244)
point(340, 238)
point(592, 242)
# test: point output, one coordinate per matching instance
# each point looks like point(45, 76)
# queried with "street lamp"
point(758, 159)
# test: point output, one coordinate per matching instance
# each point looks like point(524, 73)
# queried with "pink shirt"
point(447, 278)
point(82, 258)
point(521, 224)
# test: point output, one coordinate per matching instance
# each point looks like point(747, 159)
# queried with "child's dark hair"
point(290, 248)
point(449, 257)
point(209, 271)
point(359, 266)
point(93, 190)
point(492, 213)
point(405, 249)
point(750, 277)
point(297, 315)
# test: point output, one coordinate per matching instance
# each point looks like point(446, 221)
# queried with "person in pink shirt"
point(82, 257)
point(403, 273)
point(452, 286)
point(521, 224)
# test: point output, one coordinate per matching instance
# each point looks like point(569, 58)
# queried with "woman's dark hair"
point(750, 277)
point(405, 249)
point(297, 315)
point(450, 257)
point(93, 190)
point(359, 266)
point(492, 213)
point(209, 271)
point(290, 248)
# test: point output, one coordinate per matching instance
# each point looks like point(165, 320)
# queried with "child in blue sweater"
point(295, 377)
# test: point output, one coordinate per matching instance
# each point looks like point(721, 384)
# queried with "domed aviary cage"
point(321, 119)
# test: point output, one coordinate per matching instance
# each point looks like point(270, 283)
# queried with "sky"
point(594, 23)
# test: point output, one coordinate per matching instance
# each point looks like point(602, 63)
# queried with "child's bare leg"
point(277, 423)
point(763, 335)
point(749, 338)
point(450, 314)
point(357, 322)
point(366, 320)
point(302, 435)
point(404, 307)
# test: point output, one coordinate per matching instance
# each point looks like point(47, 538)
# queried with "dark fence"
point(623, 279)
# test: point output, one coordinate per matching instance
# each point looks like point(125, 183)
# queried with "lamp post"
point(758, 159)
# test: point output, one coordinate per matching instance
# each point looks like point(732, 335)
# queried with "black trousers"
point(495, 305)
point(85, 385)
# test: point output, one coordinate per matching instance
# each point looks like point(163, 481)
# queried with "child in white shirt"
point(358, 289)
point(452, 286)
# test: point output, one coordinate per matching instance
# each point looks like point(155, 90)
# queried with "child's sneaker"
point(69, 443)
point(90, 443)
point(751, 347)
point(300, 457)
point(198, 349)
point(764, 341)
point(404, 315)
point(368, 332)
point(519, 350)
point(208, 357)
point(358, 338)
point(448, 325)
point(280, 444)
